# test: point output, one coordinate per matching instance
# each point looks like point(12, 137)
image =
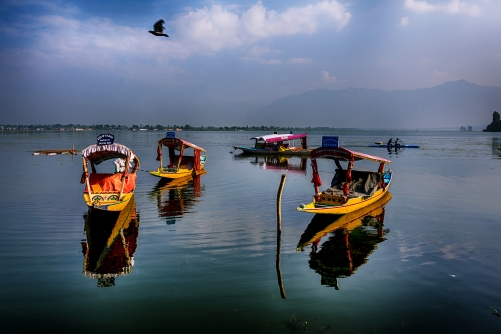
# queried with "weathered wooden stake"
point(279, 235)
point(279, 203)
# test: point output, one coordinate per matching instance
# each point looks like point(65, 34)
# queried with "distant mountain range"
point(450, 105)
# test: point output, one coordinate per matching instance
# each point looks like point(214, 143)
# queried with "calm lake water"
point(204, 253)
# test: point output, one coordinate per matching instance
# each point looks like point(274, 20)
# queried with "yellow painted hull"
point(181, 173)
point(107, 201)
point(349, 221)
point(333, 204)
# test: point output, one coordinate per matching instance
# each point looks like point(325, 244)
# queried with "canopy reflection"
point(278, 163)
point(176, 197)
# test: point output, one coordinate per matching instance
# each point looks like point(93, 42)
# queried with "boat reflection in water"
point(352, 238)
point(279, 163)
point(111, 240)
point(175, 197)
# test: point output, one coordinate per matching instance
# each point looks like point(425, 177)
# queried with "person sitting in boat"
point(397, 142)
point(390, 141)
point(120, 165)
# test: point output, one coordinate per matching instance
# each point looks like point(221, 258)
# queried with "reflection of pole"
point(279, 234)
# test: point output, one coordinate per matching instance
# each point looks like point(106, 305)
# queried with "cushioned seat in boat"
point(111, 182)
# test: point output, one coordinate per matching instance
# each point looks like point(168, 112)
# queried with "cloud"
point(327, 77)
point(452, 7)
point(209, 30)
point(257, 51)
point(270, 61)
point(100, 42)
point(443, 76)
point(404, 21)
point(57, 6)
point(299, 60)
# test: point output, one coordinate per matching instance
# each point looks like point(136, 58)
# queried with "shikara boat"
point(348, 241)
point(108, 191)
point(350, 189)
point(277, 144)
point(110, 244)
point(180, 165)
point(322, 225)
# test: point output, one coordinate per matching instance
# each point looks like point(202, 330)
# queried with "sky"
point(94, 62)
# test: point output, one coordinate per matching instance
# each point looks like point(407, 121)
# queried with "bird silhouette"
point(158, 29)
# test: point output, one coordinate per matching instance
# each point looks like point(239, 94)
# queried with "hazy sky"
point(91, 63)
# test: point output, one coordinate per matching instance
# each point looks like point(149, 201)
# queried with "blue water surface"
point(204, 254)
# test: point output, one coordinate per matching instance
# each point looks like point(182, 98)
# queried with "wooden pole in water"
point(279, 235)
point(279, 203)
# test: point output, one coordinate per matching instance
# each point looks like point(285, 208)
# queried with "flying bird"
point(158, 29)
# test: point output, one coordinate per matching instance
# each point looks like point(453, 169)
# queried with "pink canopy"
point(277, 137)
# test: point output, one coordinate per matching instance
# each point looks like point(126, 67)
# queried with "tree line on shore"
point(186, 127)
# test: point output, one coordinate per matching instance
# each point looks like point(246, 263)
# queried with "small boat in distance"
point(180, 165)
point(108, 191)
point(277, 144)
point(350, 189)
point(54, 152)
point(381, 144)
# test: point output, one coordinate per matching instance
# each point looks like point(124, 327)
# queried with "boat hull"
point(351, 205)
point(259, 151)
point(329, 204)
point(349, 221)
point(181, 173)
point(106, 201)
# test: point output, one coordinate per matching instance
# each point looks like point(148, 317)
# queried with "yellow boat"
point(321, 225)
point(351, 239)
point(108, 191)
point(180, 165)
point(110, 244)
point(350, 189)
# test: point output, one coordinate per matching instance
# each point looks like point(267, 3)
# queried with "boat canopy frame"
point(176, 144)
point(342, 154)
point(96, 154)
point(100, 153)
